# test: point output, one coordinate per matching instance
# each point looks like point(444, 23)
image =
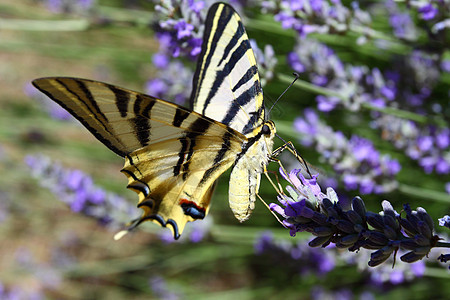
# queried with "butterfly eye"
point(265, 129)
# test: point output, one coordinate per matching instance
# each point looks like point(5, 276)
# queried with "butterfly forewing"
point(173, 155)
point(226, 83)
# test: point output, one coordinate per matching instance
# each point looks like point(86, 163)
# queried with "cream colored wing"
point(173, 155)
point(226, 85)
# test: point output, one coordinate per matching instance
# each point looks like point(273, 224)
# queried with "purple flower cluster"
point(180, 26)
point(173, 81)
point(308, 209)
point(401, 21)
point(317, 16)
point(356, 160)
point(429, 145)
point(18, 292)
point(303, 259)
point(266, 61)
point(77, 189)
point(409, 87)
point(319, 292)
point(160, 289)
point(307, 260)
point(414, 77)
point(69, 6)
point(435, 12)
point(356, 85)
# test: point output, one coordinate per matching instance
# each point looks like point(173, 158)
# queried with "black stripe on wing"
point(249, 75)
point(180, 116)
point(198, 127)
point(96, 113)
point(226, 145)
point(224, 18)
point(221, 75)
point(141, 112)
point(122, 99)
point(241, 101)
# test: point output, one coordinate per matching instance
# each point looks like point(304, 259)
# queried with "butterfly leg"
point(278, 189)
point(289, 146)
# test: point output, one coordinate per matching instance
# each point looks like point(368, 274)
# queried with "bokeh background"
point(370, 113)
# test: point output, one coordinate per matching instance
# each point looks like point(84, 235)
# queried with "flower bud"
point(422, 250)
point(408, 227)
point(375, 220)
point(354, 217)
point(319, 218)
point(411, 257)
point(423, 228)
point(345, 226)
point(390, 232)
point(388, 209)
point(323, 231)
point(349, 240)
point(380, 256)
point(318, 241)
point(378, 238)
point(359, 207)
point(390, 221)
point(421, 240)
point(408, 244)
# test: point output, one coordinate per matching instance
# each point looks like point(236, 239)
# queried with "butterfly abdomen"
point(246, 173)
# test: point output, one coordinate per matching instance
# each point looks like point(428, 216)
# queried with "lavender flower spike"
point(77, 189)
point(360, 165)
point(308, 209)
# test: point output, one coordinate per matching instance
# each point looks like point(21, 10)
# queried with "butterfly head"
point(268, 131)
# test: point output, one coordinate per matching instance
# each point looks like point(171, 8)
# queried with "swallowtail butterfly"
point(174, 155)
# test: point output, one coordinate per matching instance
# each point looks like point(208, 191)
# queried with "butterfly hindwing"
point(226, 85)
point(227, 88)
point(172, 155)
point(183, 193)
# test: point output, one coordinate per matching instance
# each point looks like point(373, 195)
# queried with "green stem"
point(408, 115)
point(44, 25)
point(424, 193)
point(307, 86)
point(140, 17)
point(443, 244)
point(436, 272)
point(304, 85)
point(268, 24)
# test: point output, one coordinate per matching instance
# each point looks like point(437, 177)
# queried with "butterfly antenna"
point(279, 97)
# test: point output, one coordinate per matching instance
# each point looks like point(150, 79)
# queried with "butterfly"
point(174, 155)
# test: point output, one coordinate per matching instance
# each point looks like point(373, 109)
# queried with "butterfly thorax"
point(246, 173)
